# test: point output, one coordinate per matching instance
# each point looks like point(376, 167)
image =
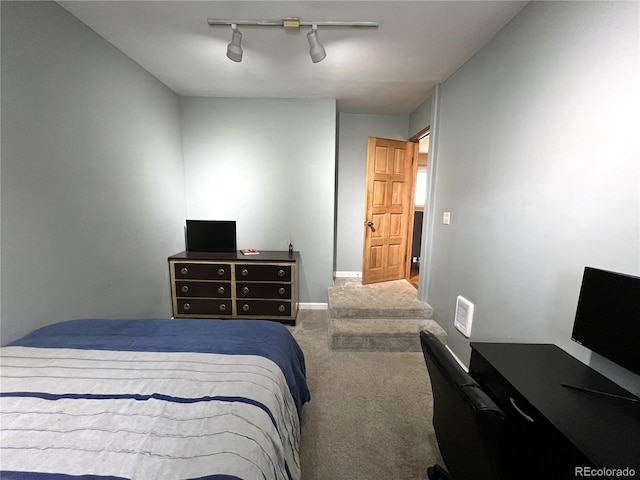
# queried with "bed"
point(152, 399)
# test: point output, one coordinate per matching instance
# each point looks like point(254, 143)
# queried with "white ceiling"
point(390, 70)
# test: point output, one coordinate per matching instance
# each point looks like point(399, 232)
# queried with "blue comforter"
point(233, 337)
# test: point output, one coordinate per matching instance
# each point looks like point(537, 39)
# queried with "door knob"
point(368, 224)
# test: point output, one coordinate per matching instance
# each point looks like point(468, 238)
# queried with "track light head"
point(234, 49)
point(316, 51)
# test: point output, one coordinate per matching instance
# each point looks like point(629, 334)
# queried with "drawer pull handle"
point(281, 273)
point(223, 307)
point(244, 272)
point(245, 308)
point(520, 412)
point(184, 289)
point(281, 291)
point(184, 270)
point(281, 308)
point(186, 306)
point(245, 290)
point(220, 289)
point(221, 271)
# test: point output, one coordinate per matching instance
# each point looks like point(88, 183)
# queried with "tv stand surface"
point(564, 428)
point(233, 285)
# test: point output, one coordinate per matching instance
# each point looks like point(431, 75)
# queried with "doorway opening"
point(394, 208)
point(420, 198)
point(388, 209)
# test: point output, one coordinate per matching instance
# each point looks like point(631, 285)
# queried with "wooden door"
point(391, 166)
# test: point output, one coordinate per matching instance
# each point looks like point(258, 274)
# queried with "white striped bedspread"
point(145, 415)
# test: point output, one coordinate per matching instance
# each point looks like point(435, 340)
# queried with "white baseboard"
point(313, 306)
point(347, 274)
point(466, 369)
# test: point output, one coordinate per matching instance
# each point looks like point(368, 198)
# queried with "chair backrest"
point(474, 436)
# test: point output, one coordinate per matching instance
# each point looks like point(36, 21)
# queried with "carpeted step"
point(380, 334)
point(348, 298)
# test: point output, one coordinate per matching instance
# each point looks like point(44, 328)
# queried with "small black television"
point(608, 317)
point(211, 236)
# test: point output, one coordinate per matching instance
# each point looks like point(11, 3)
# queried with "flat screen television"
point(211, 236)
point(608, 317)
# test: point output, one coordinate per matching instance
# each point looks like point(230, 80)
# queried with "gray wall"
point(92, 175)
point(537, 154)
point(353, 133)
point(268, 164)
point(420, 118)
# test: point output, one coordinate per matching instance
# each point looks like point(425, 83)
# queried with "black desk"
point(563, 428)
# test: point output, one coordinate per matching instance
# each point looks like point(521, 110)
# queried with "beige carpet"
point(381, 317)
point(348, 297)
point(370, 412)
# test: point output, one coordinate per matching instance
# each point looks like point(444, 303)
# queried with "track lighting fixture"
point(316, 49)
point(234, 49)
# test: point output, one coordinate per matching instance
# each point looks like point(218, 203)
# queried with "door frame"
point(424, 234)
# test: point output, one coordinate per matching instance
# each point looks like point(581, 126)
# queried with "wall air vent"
point(464, 316)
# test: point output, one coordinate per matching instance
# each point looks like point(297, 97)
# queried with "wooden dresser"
point(233, 285)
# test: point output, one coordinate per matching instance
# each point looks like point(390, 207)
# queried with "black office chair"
point(474, 435)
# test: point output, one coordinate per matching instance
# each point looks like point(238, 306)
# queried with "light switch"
point(446, 218)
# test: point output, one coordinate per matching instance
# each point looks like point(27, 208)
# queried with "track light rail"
point(213, 22)
point(316, 49)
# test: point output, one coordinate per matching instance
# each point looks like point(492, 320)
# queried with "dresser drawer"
point(204, 306)
point(264, 307)
point(203, 271)
point(278, 273)
point(263, 290)
point(186, 288)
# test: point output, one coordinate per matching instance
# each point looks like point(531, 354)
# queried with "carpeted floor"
point(370, 413)
point(348, 297)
